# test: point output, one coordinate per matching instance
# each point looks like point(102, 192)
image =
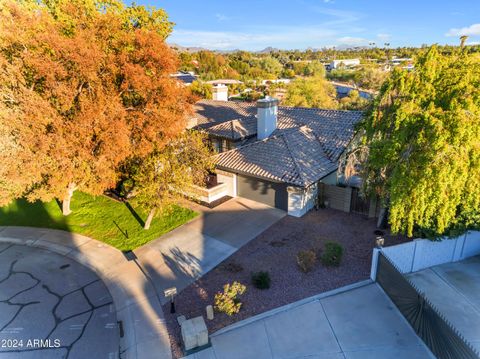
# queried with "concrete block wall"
point(423, 253)
point(472, 245)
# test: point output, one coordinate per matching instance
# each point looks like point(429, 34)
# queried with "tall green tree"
point(168, 174)
point(314, 68)
point(201, 89)
point(311, 92)
point(354, 101)
point(370, 77)
point(271, 66)
point(423, 137)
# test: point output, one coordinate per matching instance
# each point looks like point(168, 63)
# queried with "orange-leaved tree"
point(84, 85)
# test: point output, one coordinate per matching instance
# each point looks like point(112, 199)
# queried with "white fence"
point(423, 253)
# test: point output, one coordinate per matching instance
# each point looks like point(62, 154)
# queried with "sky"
point(299, 24)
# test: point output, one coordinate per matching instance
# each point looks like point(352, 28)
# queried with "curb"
point(292, 305)
point(135, 300)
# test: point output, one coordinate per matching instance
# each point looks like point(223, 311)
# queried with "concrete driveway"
point(358, 323)
point(186, 253)
point(46, 296)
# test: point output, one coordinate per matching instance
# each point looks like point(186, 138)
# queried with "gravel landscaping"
point(275, 251)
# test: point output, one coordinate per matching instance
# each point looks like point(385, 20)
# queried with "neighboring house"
point(186, 78)
point(335, 64)
point(224, 82)
point(277, 155)
point(395, 61)
point(344, 89)
point(406, 63)
point(278, 81)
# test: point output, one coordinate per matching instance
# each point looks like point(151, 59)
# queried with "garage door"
point(270, 193)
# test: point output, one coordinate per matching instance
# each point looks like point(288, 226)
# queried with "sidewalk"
point(136, 302)
point(354, 322)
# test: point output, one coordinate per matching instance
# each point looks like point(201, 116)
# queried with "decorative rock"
point(210, 314)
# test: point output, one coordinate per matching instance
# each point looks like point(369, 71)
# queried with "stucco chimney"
point(267, 110)
point(220, 92)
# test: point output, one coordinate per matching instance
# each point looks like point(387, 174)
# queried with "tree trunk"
point(67, 199)
point(149, 218)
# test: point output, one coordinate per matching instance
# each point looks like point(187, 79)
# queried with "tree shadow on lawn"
point(135, 215)
point(59, 204)
point(125, 233)
point(32, 214)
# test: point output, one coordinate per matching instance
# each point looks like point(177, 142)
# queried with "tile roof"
point(305, 147)
point(185, 77)
point(235, 129)
point(209, 112)
point(293, 156)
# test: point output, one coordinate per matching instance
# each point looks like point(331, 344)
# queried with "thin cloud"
point(338, 17)
point(384, 37)
point(260, 38)
point(333, 24)
point(354, 41)
point(222, 17)
point(472, 30)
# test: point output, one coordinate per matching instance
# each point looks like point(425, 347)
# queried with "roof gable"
point(235, 129)
point(294, 156)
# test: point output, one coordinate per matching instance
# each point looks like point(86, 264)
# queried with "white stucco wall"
point(230, 179)
point(422, 253)
point(211, 194)
point(301, 200)
point(331, 179)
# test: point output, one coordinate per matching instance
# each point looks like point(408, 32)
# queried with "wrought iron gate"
point(436, 332)
point(359, 204)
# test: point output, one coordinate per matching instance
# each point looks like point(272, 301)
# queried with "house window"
point(224, 145)
point(216, 146)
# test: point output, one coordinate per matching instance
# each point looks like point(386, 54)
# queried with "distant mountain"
point(187, 49)
point(267, 50)
point(343, 47)
point(228, 51)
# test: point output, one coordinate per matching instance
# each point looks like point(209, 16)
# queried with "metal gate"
point(359, 204)
point(435, 331)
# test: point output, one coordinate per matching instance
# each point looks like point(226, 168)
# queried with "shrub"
point(261, 280)
point(332, 255)
point(306, 260)
point(227, 301)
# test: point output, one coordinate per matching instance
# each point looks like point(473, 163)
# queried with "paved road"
point(44, 295)
point(186, 253)
point(360, 323)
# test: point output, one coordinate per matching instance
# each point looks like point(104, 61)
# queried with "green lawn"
point(99, 217)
